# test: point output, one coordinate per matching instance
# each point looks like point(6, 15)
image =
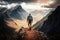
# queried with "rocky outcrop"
point(33, 35)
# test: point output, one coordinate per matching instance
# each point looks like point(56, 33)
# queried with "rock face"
point(52, 25)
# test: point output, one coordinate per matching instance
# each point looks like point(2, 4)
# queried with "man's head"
point(29, 14)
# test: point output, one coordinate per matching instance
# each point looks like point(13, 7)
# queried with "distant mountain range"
point(17, 12)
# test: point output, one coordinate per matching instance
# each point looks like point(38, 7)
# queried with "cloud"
point(50, 3)
point(55, 4)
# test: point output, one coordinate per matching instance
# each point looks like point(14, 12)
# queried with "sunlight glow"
point(31, 6)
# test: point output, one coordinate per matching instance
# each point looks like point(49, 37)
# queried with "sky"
point(48, 3)
point(51, 3)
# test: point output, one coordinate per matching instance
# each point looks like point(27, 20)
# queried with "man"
point(29, 20)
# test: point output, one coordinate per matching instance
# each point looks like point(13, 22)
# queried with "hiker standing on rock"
point(29, 20)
